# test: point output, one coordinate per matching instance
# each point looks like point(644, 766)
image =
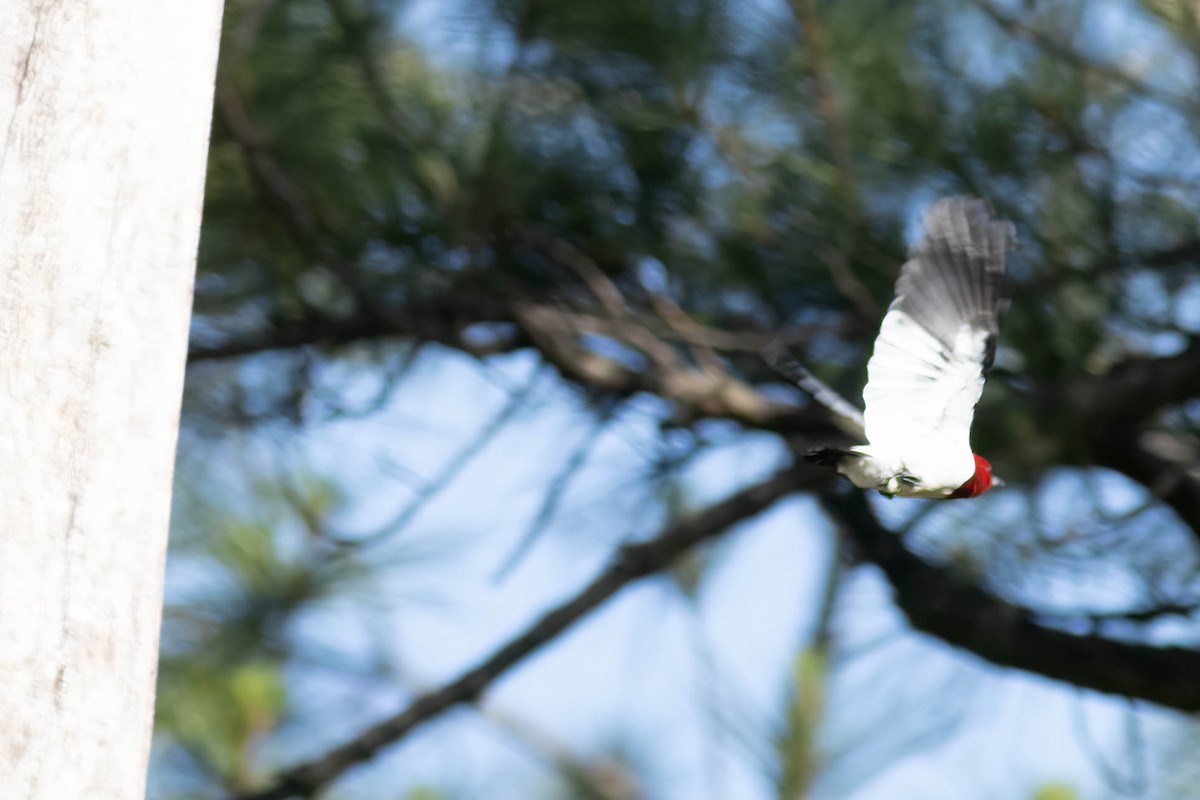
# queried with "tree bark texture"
point(104, 119)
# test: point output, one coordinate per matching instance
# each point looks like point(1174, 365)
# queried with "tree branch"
point(631, 562)
point(291, 336)
point(432, 319)
point(449, 470)
point(966, 616)
point(1136, 388)
point(1114, 408)
point(441, 321)
point(1143, 459)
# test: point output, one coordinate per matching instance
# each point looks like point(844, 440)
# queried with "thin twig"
point(585, 268)
point(554, 495)
point(686, 329)
point(430, 489)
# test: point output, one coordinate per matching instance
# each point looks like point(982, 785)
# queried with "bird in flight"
point(936, 344)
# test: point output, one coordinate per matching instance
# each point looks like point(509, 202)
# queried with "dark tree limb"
point(964, 615)
point(433, 319)
point(1136, 388)
point(1187, 251)
point(441, 320)
point(1167, 478)
point(1114, 408)
point(556, 334)
point(292, 336)
point(631, 562)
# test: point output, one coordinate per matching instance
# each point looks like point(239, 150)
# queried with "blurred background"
point(481, 295)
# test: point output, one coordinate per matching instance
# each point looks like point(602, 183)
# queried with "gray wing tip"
point(970, 237)
point(955, 273)
point(949, 218)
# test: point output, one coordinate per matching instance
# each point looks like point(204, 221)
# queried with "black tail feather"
point(829, 456)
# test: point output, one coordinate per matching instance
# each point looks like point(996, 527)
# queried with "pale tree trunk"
point(104, 116)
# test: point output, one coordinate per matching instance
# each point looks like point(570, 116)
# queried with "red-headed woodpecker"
point(934, 347)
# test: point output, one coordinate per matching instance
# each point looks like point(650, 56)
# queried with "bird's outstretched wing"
point(938, 339)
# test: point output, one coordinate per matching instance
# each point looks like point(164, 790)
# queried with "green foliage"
point(217, 712)
point(1055, 791)
point(227, 640)
point(426, 793)
point(799, 752)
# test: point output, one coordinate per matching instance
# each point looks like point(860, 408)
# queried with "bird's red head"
point(978, 483)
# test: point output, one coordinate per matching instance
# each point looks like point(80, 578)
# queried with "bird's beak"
point(997, 482)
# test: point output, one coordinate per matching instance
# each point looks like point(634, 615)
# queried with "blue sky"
point(694, 687)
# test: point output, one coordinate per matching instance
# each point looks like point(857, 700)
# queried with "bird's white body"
point(919, 407)
point(927, 371)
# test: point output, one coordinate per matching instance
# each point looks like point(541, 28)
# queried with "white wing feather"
point(936, 341)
